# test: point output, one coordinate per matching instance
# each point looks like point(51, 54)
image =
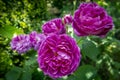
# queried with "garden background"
point(100, 56)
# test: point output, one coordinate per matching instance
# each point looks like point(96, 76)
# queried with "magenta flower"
point(36, 39)
point(54, 26)
point(21, 43)
point(58, 55)
point(67, 19)
point(91, 19)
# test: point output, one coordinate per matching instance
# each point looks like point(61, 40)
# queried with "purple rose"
point(91, 19)
point(36, 39)
point(58, 55)
point(21, 43)
point(54, 26)
point(67, 19)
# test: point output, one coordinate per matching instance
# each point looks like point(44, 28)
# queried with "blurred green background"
point(100, 56)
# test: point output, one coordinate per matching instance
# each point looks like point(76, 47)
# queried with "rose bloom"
point(58, 55)
point(36, 39)
point(67, 19)
point(54, 26)
point(21, 43)
point(91, 19)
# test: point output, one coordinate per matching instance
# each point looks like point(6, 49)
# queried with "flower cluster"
point(23, 43)
point(58, 53)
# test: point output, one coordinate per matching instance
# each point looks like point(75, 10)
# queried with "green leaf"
point(31, 61)
point(32, 58)
point(9, 31)
point(72, 77)
point(27, 74)
point(86, 72)
point(97, 77)
point(117, 64)
point(13, 74)
point(38, 75)
point(76, 37)
point(90, 50)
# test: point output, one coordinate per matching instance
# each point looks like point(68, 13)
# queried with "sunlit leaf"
point(9, 31)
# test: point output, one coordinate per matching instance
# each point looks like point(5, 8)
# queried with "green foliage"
point(23, 14)
point(5, 62)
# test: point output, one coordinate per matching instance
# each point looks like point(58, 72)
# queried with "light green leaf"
point(13, 74)
point(90, 50)
point(9, 31)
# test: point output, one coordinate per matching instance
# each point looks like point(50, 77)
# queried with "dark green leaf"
point(27, 74)
point(97, 78)
point(90, 50)
point(38, 75)
point(13, 74)
point(32, 58)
